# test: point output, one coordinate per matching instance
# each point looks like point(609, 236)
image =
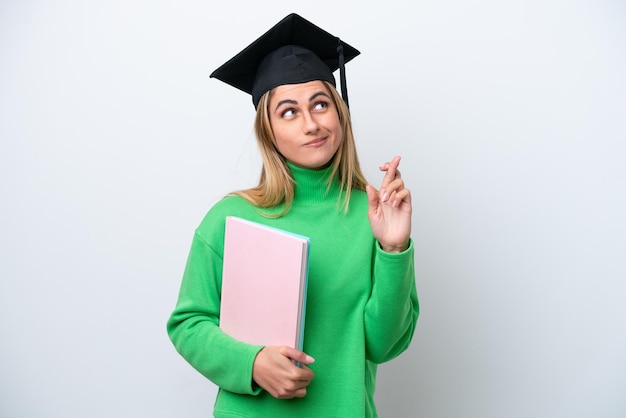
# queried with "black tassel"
point(342, 72)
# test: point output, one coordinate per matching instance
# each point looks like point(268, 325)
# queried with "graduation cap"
point(293, 51)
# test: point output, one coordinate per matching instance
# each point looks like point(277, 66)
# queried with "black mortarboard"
point(293, 51)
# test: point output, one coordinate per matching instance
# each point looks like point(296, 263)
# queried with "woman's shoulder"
point(215, 219)
point(230, 205)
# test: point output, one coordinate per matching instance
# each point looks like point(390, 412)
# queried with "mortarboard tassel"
point(342, 72)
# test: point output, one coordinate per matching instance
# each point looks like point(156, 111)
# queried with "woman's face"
point(305, 124)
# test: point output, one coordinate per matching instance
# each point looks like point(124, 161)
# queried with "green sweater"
point(361, 307)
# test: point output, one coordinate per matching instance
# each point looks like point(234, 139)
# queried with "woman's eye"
point(320, 106)
point(288, 113)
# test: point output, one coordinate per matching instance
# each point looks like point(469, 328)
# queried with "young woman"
point(362, 304)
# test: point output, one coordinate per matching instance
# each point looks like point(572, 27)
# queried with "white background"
point(509, 116)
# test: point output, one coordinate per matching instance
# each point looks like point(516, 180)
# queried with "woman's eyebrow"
point(286, 101)
point(319, 93)
point(294, 102)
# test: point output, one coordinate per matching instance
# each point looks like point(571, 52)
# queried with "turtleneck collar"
point(312, 185)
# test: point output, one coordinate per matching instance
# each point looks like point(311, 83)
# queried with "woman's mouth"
point(316, 142)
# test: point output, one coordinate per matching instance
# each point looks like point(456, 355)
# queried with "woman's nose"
point(310, 123)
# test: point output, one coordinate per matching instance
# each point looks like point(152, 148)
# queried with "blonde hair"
point(276, 183)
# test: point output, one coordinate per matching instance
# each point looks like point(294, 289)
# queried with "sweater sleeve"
point(392, 310)
point(194, 329)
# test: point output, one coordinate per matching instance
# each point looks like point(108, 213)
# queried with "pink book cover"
point(264, 282)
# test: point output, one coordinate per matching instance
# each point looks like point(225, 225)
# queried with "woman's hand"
point(390, 210)
point(274, 371)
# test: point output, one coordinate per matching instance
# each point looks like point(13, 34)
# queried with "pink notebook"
point(264, 283)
